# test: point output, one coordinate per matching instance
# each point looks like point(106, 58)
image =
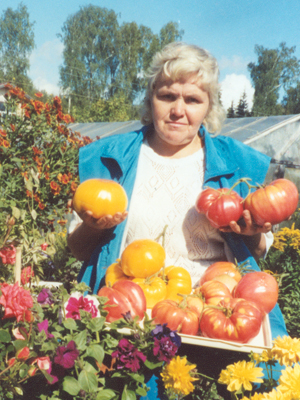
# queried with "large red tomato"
point(101, 196)
point(259, 287)
point(213, 292)
point(222, 208)
point(142, 258)
point(220, 268)
point(274, 203)
point(237, 320)
point(124, 296)
point(178, 318)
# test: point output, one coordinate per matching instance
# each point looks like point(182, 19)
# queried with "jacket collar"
point(217, 160)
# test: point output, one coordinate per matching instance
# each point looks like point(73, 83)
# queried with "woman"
point(163, 167)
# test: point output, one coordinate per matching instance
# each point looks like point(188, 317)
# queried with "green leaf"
point(33, 214)
point(19, 390)
point(4, 336)
point(81, 339)
point(96, 351)
point(106, 394)
point(71, 385)
point(70, 324)
point(128, 394)
point(88, 381)
point(16, 212)
point(96, 324)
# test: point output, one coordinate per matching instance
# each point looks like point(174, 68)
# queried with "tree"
point(16, 44)
point(275, 68)
point(242, 108)
point(231, 111)
point(291, 102)
point(103, 60)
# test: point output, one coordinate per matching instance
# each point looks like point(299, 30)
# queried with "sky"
point(229, 29)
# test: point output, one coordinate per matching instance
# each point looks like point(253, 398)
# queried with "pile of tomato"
point(225, 305)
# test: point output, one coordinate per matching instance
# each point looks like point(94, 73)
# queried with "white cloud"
point(232, 88)
point(235, 63)
point(44, 66)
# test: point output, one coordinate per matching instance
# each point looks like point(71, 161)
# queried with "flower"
point(20, 334)
point(289, 382)
point(43, 362)
point(16, 302)
point(287, 237)
point(166, 343)
point(45, 297)
point(78, 302)
point(177, 376)
point(241, 374)
point(23, 354)
point(66, 355)
point(127, 356)
point(43, 326)
point(26, 275)
point(8, 254)
point(286, 350)
point(44, 246)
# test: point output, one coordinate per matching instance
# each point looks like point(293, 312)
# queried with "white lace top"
point(165, 193)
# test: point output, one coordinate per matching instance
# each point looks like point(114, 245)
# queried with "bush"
point(38, 175)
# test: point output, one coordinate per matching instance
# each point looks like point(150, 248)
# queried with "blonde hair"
point(178, 60)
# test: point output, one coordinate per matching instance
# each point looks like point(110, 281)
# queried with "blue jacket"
point(116, 158)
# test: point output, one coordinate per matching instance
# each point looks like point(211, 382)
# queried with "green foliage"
point(16, 44)
point(283, 260)
point(275, 68)
point(291, 101)
point(38, 175)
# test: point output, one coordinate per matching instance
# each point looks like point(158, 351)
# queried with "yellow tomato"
point(101, 196)
point(114, 273)
point(178, 281)
point(155, 289)
point(142, 258)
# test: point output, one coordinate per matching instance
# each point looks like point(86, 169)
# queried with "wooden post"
point(18, 265)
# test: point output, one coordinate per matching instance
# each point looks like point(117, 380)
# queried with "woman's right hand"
point(106, 222)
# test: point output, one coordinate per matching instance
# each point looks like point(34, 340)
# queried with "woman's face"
point(178, 110)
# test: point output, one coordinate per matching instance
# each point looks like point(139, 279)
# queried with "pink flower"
point(26, 275)
point(8, 254)
point(42, 362)
point(44, 246)
point(66, 355)
point(23, 354)
point(43, 326)
point(78, 302)
point(16, 302)
point(19, 335)
point(54, 378)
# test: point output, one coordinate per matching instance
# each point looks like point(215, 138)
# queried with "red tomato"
point(101, 196)
point(259, 287)
point(213, 292)
point(220, 268)
point(237, 320)
point(274, 203)
point(205, 198)
point(178, 318)
point(124, 296)
point(227, 280)
point(221, 208)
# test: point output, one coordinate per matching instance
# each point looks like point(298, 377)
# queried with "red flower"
point(16, 302)
point(36, 150)
point(38, 106)
point(55, 188)
point(73, 186)
point(65, 179)
point(44, 246)
point(41, 206)
point(3, 133)
point(26, 275)
point(23, 354)
point(5, 143)
point(8, 254)
point(13, 128)
point(66, 355)
point(38, 94)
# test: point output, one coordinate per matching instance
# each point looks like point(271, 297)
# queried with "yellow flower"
point(287, 237)
point(176, 376)
point(255, 396)
point(265, 356)
point(289, 382)
point(241, 374)
point(286, 350)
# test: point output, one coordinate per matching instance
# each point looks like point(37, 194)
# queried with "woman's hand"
point(106, 222)
point(248, 227)
point(253, 234)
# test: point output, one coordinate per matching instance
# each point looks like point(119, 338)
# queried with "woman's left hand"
point(249, 227)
